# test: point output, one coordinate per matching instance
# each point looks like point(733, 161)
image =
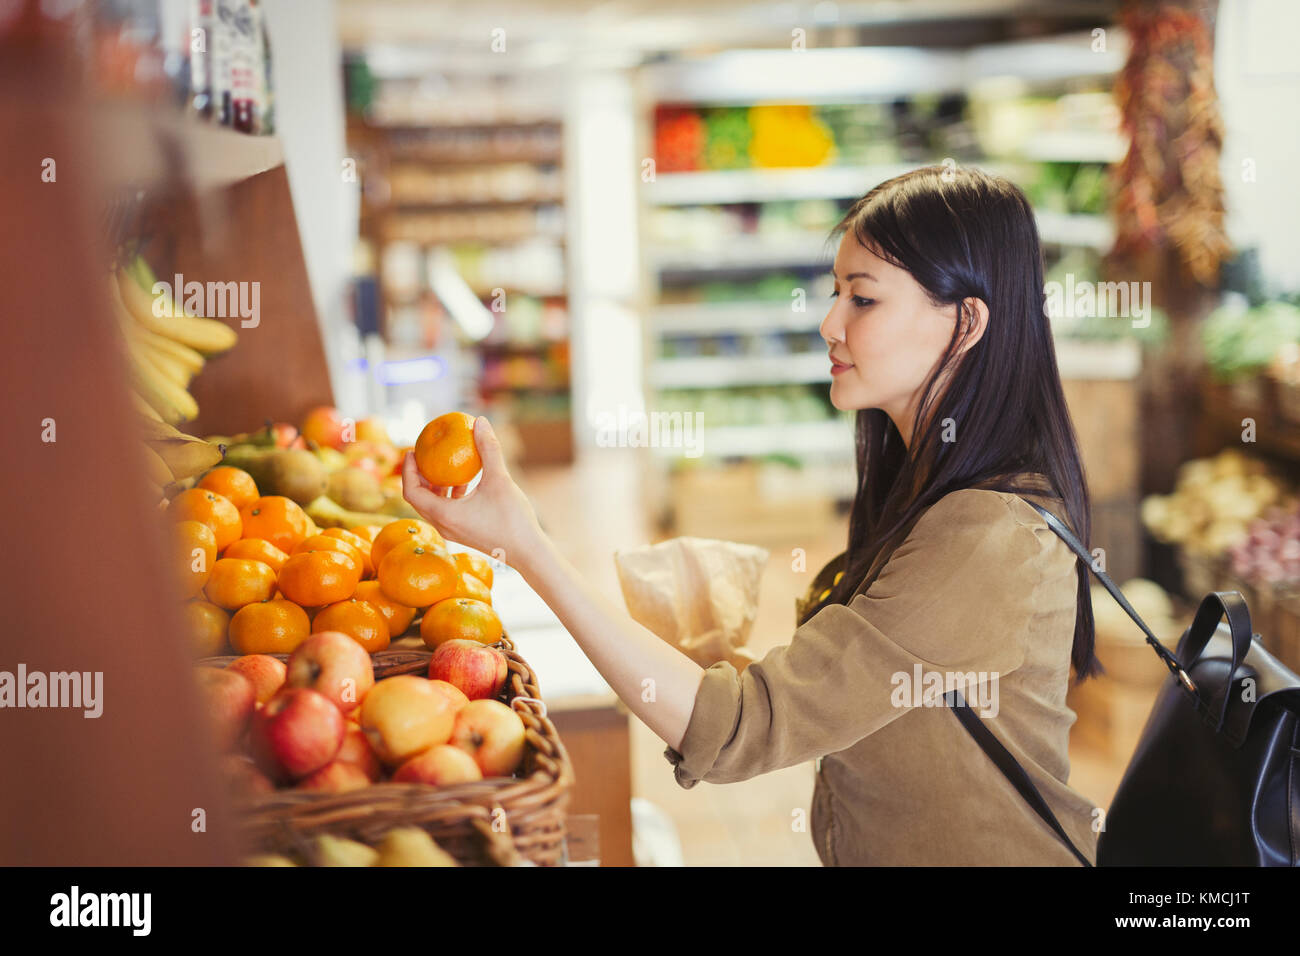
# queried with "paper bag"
point(698, 594)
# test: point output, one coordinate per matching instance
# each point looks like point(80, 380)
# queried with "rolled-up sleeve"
point(953, 597)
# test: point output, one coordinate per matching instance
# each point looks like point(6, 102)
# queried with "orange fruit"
point(269, 627)
point(417, 574)
point(408, 529)
point(460, 619)
point(475, 565)
point(214, 510)
point(316, 578)
point(236, 582)
point(235, 484)
point(206, 625)
point(398, 616)
point(468, 586)
point(195, 551)
point(324, 426)
point(346, 542)
point(359, 620)
point(367, 532)
point(276, 519)
point(258, 549)
point(445, 452)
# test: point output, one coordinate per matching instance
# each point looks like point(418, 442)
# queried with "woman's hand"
point(495, 518)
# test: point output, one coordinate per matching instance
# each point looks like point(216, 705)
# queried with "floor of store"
point(595, 507)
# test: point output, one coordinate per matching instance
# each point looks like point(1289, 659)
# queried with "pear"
point(411, 846)
point(295, 473)
point(336, 851)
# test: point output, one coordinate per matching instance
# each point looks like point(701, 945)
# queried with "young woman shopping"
point(938, 338)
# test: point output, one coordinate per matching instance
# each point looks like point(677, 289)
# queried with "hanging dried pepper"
point(1168, 189)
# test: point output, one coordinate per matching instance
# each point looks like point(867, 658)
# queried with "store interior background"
point(565, 214)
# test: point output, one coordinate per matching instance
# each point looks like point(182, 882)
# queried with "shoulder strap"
point(1009, 766)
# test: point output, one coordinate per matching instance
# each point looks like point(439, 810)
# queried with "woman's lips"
point(838, 367)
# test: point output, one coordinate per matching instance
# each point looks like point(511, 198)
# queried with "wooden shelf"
point(151, 149)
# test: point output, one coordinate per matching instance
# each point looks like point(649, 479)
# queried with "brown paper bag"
point(698, 594)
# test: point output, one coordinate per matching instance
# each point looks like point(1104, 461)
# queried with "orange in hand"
point(195, 551)
point(445, 452)
point(417, 575)
point(460, 619)
point(235, 484)
point(276, 519)
point(316, 578)
point(269, 627)
point(398, 616)
point(255, 549)
point(236, 582)
point(214, 510)
point(394, 533)
point(359, 620)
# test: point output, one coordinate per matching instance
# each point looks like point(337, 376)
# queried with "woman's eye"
point(858, 300)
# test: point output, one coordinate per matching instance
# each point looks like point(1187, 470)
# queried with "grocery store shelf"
point(833, 439)
point(1072, 229)
point(140, 148)
point(725, 371)
point(745, 252)
point(769, 185)
point(1082, 359)
point(723, 318)
point(1075, 147)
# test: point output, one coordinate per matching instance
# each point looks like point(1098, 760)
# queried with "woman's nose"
point(830, 328)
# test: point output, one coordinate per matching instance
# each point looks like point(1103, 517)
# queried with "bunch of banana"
point(174, 456)
point(165, 352)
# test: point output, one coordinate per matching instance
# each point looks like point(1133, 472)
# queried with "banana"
point(182, 355)
point(171, 401)
point(186, 456)
point(328, 513)
point(147, 411)
point(203, 335)
point(165, 364)
point(159, 473)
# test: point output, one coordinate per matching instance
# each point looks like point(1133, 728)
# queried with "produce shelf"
point(734, 317)
point(723, 371)
point(832, 439)
point(142, 148)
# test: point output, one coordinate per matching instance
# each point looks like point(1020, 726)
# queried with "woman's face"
point(884, 335)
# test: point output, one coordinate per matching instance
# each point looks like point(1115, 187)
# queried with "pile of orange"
point(259, 577)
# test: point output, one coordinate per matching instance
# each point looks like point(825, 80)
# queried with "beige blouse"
point(980, 587)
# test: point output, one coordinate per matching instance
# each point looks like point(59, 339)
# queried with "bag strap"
point(1077, 547)
point(1009, 766)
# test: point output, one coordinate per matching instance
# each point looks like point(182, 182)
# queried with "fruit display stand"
point(499, 821)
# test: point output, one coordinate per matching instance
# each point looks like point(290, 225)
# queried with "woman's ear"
point(974, 316)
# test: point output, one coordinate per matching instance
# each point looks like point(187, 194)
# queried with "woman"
point(937, 336)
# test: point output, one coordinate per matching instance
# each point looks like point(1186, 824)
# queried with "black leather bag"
point(1215, 778)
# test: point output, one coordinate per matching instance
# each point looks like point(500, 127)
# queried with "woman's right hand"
point(495, 517)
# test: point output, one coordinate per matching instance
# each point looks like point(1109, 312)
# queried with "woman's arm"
point(656, 681)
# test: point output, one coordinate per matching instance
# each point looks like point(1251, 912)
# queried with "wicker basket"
point(494, 822)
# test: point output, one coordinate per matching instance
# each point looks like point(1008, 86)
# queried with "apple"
point(286, 436)
point(333, 664)
point(324, 426)
point(452, 692)
point(478, 670)
point(406, 714)
point(296, 732)
point(263, 671)
point(242, 776)
point(356, 750)
point(439, 766)
point(492, 734)
point(228, 700)
point(335, 777)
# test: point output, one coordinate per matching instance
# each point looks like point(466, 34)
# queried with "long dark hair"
point(963, 233)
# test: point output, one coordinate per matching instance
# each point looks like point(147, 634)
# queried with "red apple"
point(324, 426)
point(335, 777)
point(228, 700)
point(452, 693)
point(286, 436)
point(439, 766)
point(263, 671)
point(478, 670)
point(242, 776)
point(404, 715)
point(492, 734)
point(356, 750)
point(297, 732)
point(333, 664)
